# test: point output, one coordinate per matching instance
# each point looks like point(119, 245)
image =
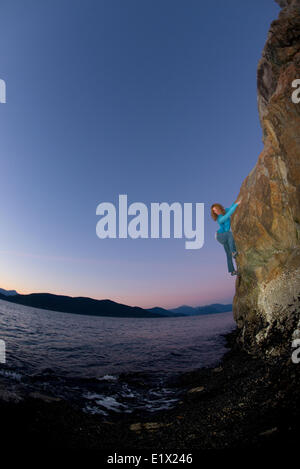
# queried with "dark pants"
point(229, 245)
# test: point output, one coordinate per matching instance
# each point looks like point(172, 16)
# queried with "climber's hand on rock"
point(238, 201)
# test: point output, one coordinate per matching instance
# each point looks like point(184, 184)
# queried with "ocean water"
point(106, 365)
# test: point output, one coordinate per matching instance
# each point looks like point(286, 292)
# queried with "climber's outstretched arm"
point(222, 218)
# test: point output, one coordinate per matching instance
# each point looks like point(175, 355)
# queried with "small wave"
point(94, 410)
point(160, 392)
point(161, 399)
point(107, 378)
point(108, 402)
point(127, 392)
point(164, 404)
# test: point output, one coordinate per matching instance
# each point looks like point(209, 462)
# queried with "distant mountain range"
point(79, 305)
point(8, 292)
point(186, 310)
point(92, 307)
point(208, 309)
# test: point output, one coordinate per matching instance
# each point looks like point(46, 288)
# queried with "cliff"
point(266, 225)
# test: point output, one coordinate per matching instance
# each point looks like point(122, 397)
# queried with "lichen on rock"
point(266, 226)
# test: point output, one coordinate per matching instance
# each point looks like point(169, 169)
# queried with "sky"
point(153, 99)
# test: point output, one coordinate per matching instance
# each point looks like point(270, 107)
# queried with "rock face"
point(266, 225)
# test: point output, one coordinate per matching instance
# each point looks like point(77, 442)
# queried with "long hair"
point(214, 216)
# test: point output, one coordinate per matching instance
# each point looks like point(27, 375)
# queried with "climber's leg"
point(223, 239)
point(232, 244)
point(228, 251)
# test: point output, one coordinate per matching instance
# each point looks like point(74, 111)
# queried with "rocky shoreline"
point(245, 402)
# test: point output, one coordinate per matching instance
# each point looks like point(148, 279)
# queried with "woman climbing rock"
point(224, 233)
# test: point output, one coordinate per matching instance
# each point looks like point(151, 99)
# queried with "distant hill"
point(209, 309)
point(8, 292)
point(184, 310)
point(165, 312)
point(79, 305)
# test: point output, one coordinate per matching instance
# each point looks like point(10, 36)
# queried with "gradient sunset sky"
point(153, 99)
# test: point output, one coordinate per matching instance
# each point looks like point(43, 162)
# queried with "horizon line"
point(109, 299)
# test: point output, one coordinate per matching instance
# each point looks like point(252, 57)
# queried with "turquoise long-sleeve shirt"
point(224, 220)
